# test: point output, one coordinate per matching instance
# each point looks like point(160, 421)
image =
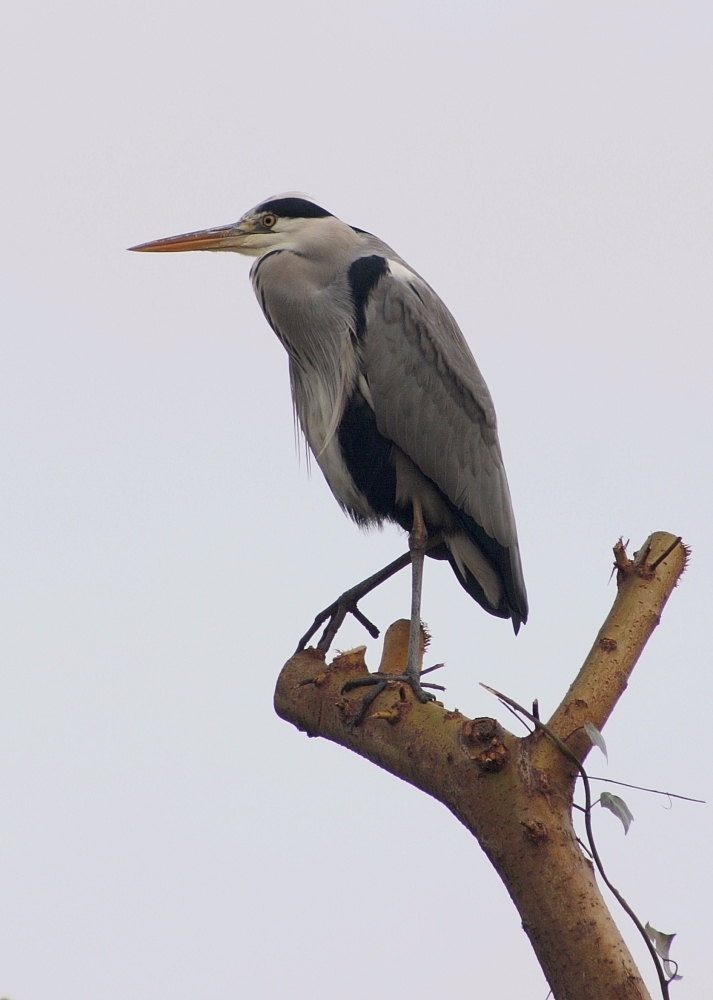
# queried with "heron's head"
point(273, 225)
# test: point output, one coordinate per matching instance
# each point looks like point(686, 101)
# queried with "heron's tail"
point(485, 570)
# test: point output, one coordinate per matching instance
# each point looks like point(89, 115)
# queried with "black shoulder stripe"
point(363, 276)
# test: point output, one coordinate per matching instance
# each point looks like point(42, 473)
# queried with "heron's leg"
point(417, 548)
point(417, 545)
point(335, 614)
point(412, 674)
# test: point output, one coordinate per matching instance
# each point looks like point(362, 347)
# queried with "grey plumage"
point(385, 388)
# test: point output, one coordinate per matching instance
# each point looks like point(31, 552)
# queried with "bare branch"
point(514, 794)
point(644, 585)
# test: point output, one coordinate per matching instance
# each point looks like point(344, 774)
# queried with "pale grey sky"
point(547, 167)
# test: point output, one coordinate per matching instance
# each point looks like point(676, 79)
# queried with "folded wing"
point(430, 399)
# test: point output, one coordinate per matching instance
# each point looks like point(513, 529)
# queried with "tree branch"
point(644, 584)
point(514, 795)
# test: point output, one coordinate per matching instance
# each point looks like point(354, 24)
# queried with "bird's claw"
point(336, 613)
point(347, 604)
point(379, 682)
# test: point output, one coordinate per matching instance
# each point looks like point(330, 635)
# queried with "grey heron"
point(390, 400)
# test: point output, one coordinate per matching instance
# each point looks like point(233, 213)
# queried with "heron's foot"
point(334, 615)
point(379, 683)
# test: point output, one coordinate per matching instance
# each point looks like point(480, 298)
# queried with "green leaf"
point(616, 805)
point(596, 737)
point(662, 945)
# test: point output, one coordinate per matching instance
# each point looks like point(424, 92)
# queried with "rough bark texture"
point(513, 794)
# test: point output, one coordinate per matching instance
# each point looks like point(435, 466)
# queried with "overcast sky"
point(547, 167)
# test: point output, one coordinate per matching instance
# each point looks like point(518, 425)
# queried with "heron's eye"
point(269, 221)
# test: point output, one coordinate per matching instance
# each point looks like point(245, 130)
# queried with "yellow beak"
point(222, 238)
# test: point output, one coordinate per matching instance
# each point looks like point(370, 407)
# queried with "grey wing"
point(431, 400)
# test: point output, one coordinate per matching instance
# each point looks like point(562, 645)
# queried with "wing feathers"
point(431, 400)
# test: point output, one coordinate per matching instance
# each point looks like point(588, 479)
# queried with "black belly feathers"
point(367, 456)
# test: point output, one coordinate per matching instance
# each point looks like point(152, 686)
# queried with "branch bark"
point(513, 794)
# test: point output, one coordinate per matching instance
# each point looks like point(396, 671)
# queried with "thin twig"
point(668, 552)
point(521, 721)
point(583, 845)
point(654, 791)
